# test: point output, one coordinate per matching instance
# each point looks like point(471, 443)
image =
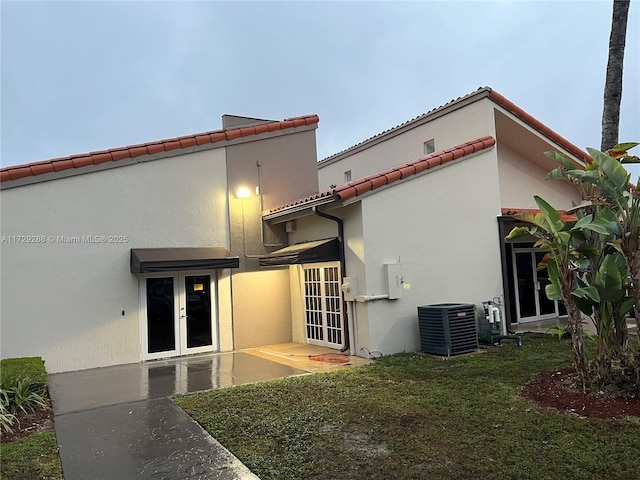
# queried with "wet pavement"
point(118, 422)
point(146, 439)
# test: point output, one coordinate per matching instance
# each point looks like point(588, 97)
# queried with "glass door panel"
point(161, 331)
point(198, 310)
point(526, 285)
point(333, 304)
point(547, 307)
point(532, 301)
point(313, 304)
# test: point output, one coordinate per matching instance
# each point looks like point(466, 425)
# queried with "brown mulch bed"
point(555, 390)
point(28, 424)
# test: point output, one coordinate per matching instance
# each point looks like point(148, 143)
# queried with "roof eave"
point(511, 108)
point(301, 210)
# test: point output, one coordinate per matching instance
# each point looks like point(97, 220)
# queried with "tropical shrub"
point(7, 419)
point(20, 394)
point(23, 384)
point(593, 261)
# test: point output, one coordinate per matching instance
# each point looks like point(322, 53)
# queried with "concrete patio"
point(302, 356)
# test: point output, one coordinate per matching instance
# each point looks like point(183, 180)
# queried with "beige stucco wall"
point(441, 228)
point(296, 277)
point(459, 126)
point(355, 254)
point(64, 301)
point(521, 179)
point(225, 310)
point(286, 171)
point(262, 308)
point(313, 227)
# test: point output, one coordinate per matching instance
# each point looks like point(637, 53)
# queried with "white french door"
point(178, 314)
point(323, 304)
point(532, 303)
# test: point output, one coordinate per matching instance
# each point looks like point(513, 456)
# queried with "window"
point(347, 176)
point(429, 147)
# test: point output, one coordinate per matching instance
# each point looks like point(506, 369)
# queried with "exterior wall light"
point(243, 192)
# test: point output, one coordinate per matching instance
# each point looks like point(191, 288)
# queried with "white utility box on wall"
point(393, 277)
point(349, 289)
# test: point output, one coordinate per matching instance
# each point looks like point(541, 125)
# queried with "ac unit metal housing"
point(448, 328)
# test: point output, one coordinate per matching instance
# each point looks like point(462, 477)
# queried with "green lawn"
point(411, 416)
point(33, 457)
point(36, 456)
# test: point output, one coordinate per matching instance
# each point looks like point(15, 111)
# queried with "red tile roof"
point(564, 216)
point(372, 182)
point(15, 172)
point(461, 101)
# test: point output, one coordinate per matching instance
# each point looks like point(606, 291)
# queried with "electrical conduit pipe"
point(370, 298)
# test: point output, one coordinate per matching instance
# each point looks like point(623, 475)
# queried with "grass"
point(411, 416)
point(31, 457)
point(31, 368)
point(35, 456)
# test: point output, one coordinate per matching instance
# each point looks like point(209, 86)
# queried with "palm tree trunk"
point(613, 83)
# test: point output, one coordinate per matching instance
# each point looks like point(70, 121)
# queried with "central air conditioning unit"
point(448, 328)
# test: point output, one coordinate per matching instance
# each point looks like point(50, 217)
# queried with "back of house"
point(421, 211)
point(239, 238)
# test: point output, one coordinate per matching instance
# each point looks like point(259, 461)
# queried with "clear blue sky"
point(84, 76)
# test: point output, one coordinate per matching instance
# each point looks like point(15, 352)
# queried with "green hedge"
point(26, 367)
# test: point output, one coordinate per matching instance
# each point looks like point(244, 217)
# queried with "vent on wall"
point(448, 328)
point(274, 235)
point(429, 147)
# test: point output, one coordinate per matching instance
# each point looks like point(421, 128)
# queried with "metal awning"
point(151, 260)
point(308, 252)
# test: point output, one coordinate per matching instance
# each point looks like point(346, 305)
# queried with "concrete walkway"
point(118, 422)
